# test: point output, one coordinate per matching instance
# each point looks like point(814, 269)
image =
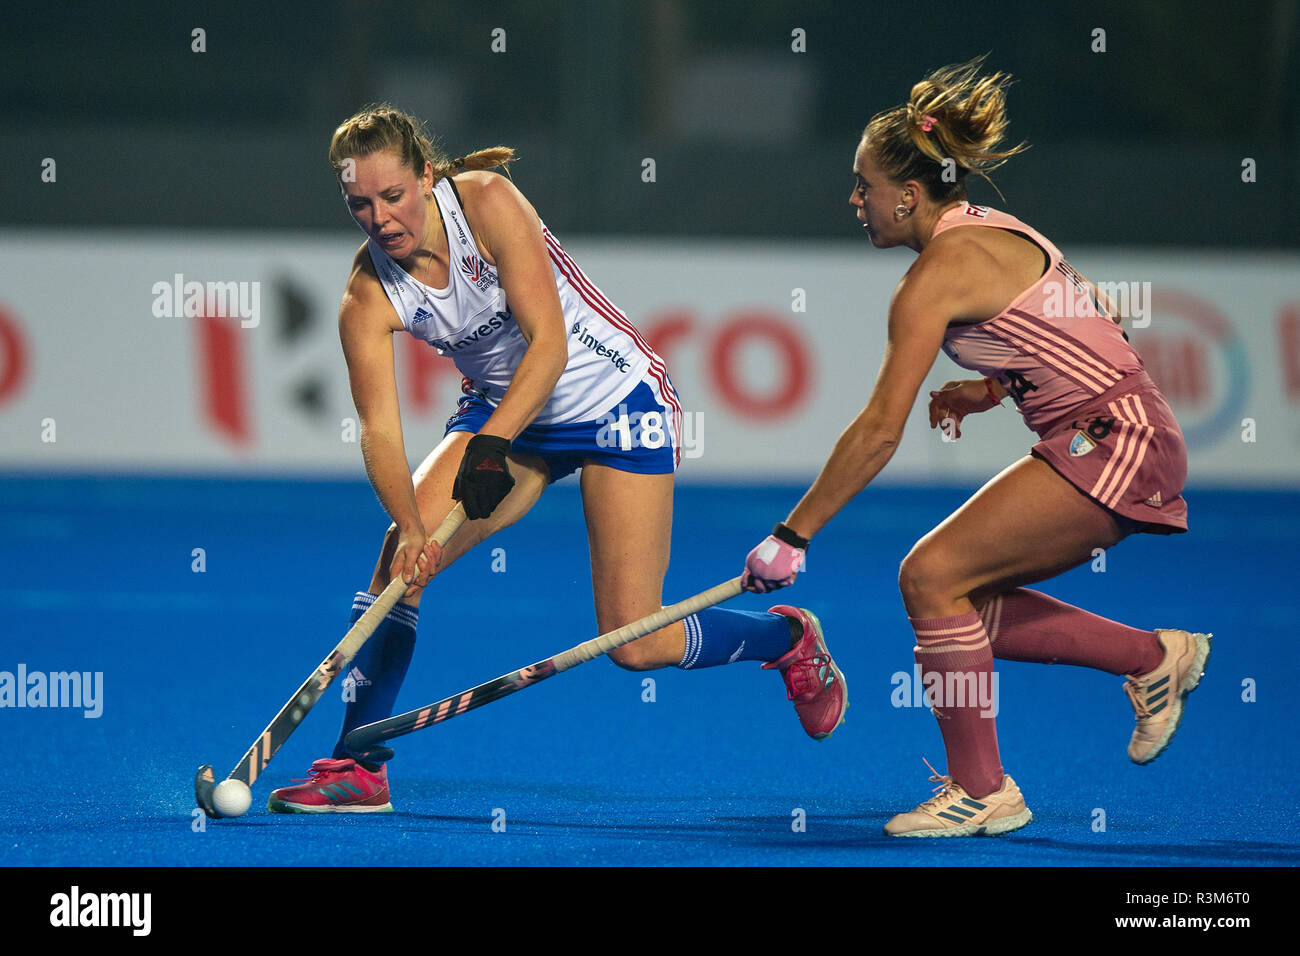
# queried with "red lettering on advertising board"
point(1179, 366)
point(667, 330)
point(1288, 341)
point(424, 369)
point(13, 356)
point(222, 373)
point(723, 353)
point(792, 385)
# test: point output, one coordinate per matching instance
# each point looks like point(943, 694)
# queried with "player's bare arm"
point(511, 233)
point(935, 291)
point(366, 326)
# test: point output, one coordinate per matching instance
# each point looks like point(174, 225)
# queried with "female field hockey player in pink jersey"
point(458, 258)
point(1000, 300)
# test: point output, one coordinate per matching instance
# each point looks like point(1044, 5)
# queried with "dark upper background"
point(1142, 144)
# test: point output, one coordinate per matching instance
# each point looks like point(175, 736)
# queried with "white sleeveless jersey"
point(472, 322)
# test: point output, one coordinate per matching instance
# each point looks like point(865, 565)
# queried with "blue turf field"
point(97, 577)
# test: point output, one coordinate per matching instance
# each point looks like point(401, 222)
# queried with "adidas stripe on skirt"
point(1124, 450)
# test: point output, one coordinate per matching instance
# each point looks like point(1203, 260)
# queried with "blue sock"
point(721, 636)
point(379, 668)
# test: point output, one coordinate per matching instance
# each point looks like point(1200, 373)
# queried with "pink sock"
point(1025, 625)
point(957, 669)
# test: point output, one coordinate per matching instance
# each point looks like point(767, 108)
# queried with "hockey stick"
point(306, 696)
point(364, 738)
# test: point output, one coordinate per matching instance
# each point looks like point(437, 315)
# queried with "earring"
point(901, 212)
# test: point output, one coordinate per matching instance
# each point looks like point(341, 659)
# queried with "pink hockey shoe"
point(812, 681)
point(335, 786)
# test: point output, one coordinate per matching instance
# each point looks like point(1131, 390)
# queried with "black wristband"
point(782, 533)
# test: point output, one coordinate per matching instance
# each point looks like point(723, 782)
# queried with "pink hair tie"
point(928, 124)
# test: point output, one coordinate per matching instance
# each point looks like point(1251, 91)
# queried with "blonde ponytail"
point(953, 120)
point(501, 156)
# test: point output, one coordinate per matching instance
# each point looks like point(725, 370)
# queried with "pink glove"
point(775, 562)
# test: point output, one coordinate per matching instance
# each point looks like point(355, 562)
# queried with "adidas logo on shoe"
point(952, 812)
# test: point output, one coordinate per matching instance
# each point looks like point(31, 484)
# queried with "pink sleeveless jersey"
point(1054, 348)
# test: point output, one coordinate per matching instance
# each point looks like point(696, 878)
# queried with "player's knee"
point(645, 654)
point(924, 574)
point(661, 648)
point(630, 657)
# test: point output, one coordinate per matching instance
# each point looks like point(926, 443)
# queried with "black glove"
point(484, 478)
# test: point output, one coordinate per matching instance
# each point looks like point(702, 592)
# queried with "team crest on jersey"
point(1081, 444)
point(420, 316)
point(477, 271)
point(979, 212)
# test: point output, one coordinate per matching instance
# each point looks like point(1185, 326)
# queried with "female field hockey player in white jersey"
point(457, 257)
point(987, 289)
